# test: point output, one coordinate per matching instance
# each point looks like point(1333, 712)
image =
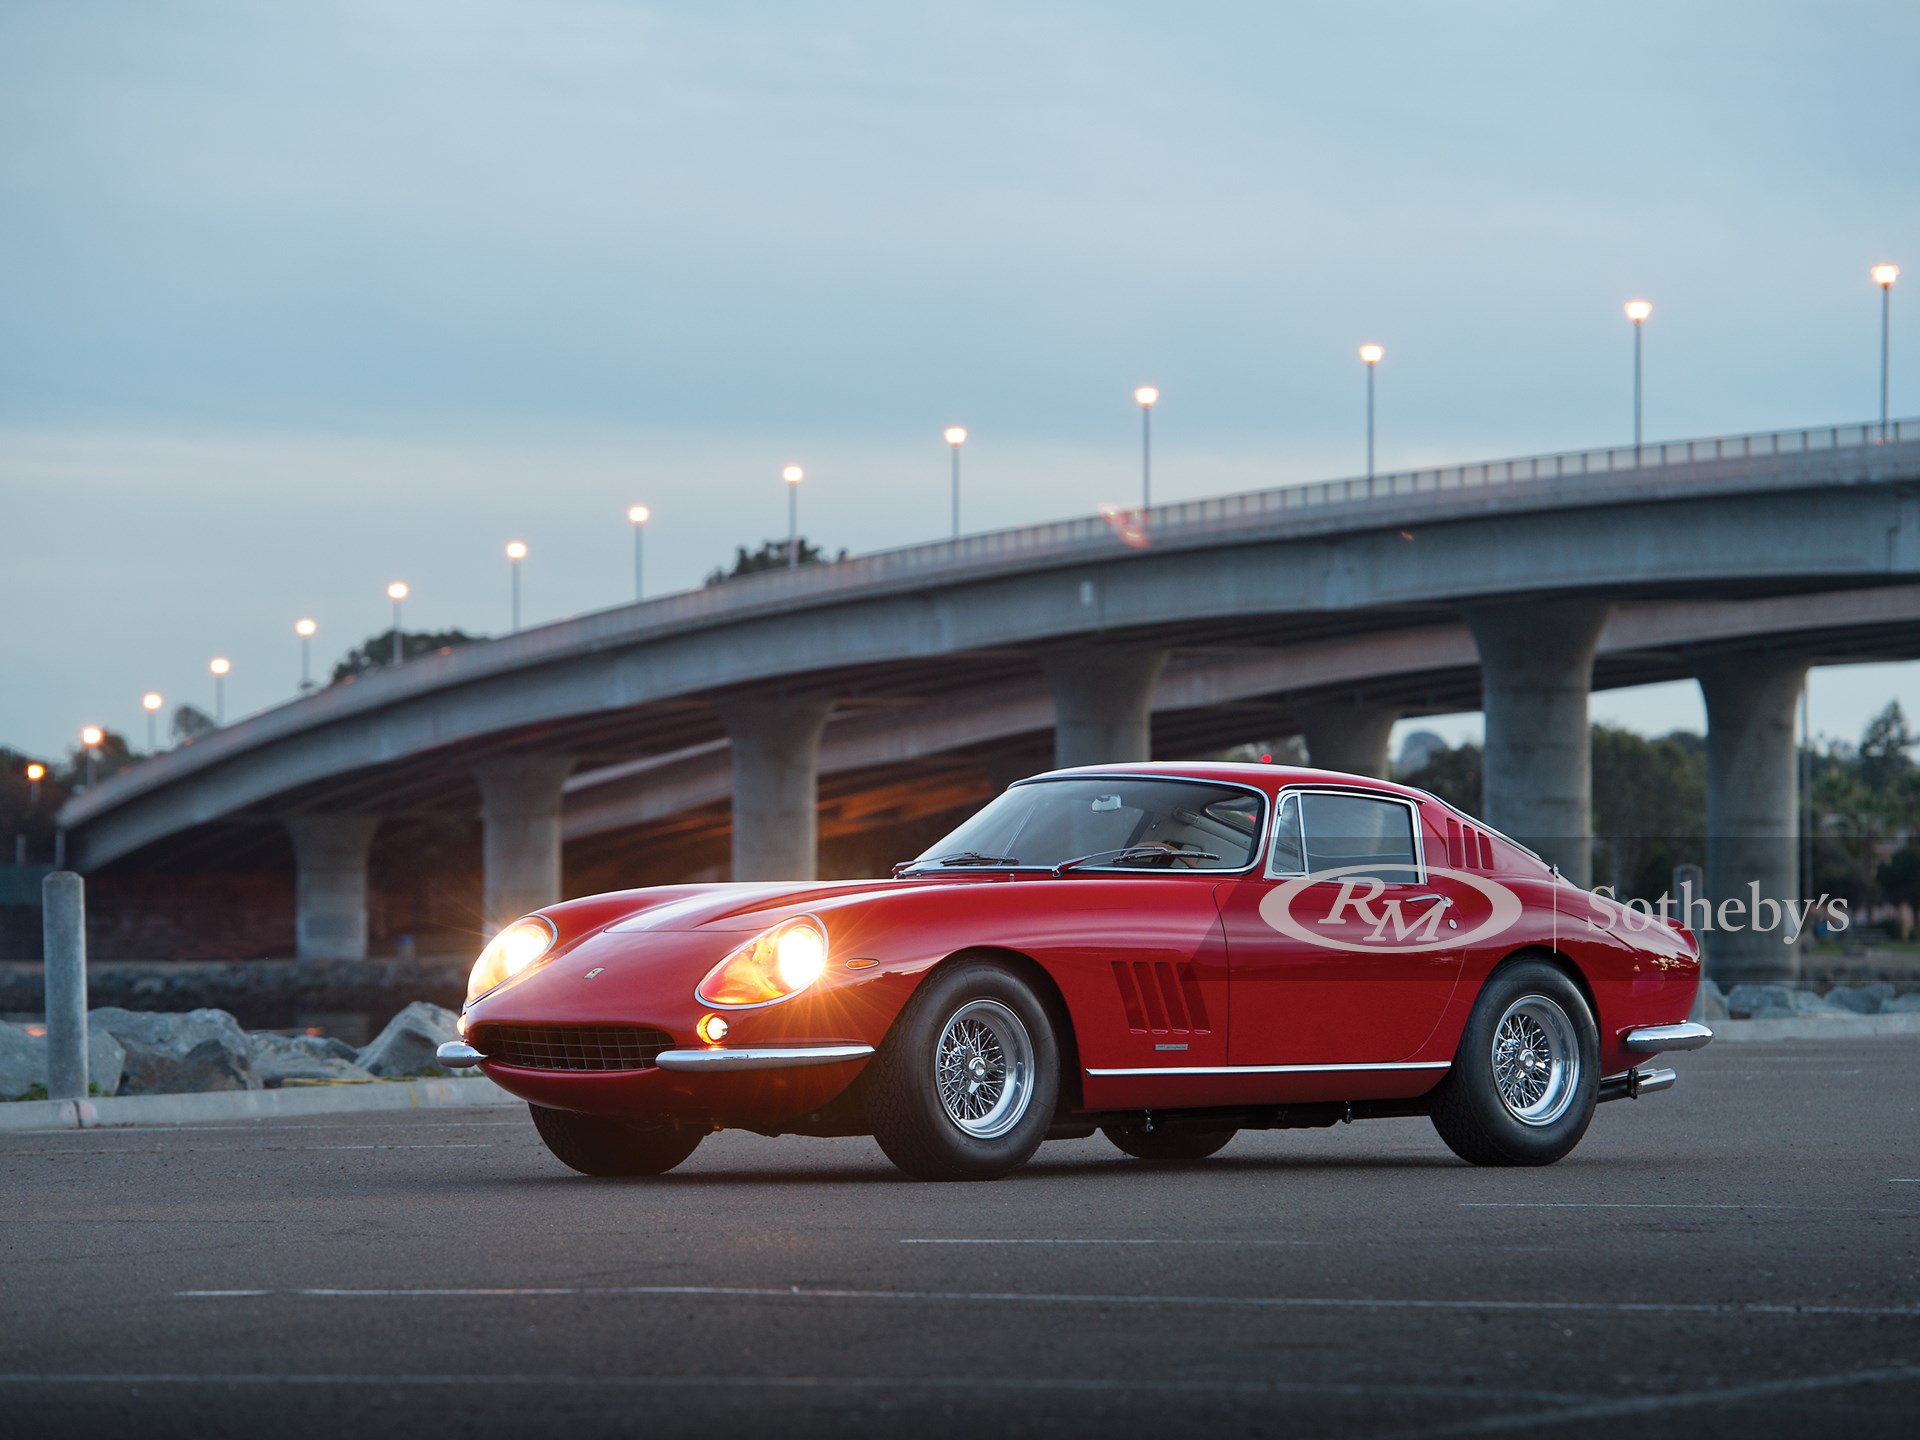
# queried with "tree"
point(1451, 773)
point(190, 723)
point(376, 651)
point(1900, 878)
point(772, 555)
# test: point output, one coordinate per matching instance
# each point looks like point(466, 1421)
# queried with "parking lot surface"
point(1738, 1256)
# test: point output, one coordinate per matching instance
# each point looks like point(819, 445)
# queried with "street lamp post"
point(306, 629)
point(1637, 312)
point(793, 475)
point(397, 592)
point(220, 665)
point(151, 703)
point(36, 772)
point(1146, 397)
point(637, 516)
point(956, 437)
point(91, 737)
point(1371, 355)
point(516, 552)
point(1884, 276)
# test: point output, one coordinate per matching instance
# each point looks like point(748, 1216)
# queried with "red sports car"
point(1165, 953)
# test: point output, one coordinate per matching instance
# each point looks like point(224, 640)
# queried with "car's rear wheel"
point(597, 1145)
point(1168, 1144)
point(966, 1084)
point(1526, 1076)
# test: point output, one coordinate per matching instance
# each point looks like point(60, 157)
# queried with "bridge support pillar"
point(520, 822)
point(1349, 737)
point(776, 783)
point(1753, 815)
point(330, 884)
point(1536, 669)
point(1103, 703)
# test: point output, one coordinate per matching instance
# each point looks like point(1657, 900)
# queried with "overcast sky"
point(299, 299)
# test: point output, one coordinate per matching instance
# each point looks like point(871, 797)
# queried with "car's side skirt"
point(1151, 1070)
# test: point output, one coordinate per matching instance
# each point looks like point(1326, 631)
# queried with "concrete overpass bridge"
point(1329, 609)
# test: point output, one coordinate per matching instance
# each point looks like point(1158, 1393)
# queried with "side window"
point(1288, 854)
point(1360, 836)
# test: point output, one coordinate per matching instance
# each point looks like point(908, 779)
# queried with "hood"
point(753, 907)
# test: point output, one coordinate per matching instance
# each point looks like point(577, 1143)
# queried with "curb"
point(1813, 1027)
point(217, 1105)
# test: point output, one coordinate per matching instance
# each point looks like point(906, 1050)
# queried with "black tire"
point(1168, 1144)
point(911, 1120)
point(1470, 1110)
point(597, 1145)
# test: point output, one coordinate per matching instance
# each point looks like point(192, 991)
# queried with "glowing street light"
point(793, 475)
point(397, 592)
point(1884, 276)
point(220, 665)
point(91, 736)
point(36, 772)
point(151, 703)
point(1146, 397)
point(1637, 312)
point(516, 552)
point(306, 629)
point(956, 437)
point(1371, 355)
point(637, 516)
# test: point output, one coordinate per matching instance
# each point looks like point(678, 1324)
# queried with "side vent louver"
point(1161, 998)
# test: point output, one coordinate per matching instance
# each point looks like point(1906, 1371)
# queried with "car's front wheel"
point(598, 1145)
point(966, 1084)
point(1526, 1076)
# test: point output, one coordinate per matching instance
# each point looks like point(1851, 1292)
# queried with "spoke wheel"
point(1536, 1061)
point(966, 1085)
point(1526, 1073)
point(983, 1067)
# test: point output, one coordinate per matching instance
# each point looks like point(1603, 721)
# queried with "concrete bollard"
point(63, 905)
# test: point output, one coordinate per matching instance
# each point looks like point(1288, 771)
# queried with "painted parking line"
point(1676, 1205)
point(1085, 1241)
point(1017, 1297)
point(1633, 1406)
point(250, 1149)
point(720, 1384)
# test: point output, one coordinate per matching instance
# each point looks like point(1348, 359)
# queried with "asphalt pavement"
point(1738, 1256)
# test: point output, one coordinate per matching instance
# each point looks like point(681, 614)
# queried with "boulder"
point(1908, 1004)
point(174, 1054)
point(1763, 1002)
point(406, 1046)
point(1860, 999)
point(280, 1058)
point(23, 1061)
point(1710, 1004)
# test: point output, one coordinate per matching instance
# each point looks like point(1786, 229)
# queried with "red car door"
point(1339, 949)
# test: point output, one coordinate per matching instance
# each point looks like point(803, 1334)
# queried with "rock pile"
point(137, 1052)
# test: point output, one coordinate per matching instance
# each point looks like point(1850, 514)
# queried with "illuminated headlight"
point(772, 966)
point(509, 953)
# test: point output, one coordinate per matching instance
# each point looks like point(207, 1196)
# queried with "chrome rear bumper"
point(458, 1055)
point(1652, 1039)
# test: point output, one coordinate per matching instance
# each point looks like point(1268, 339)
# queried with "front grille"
point(572, 1047)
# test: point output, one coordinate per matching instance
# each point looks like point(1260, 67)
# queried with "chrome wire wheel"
point(1536, 1060)
point(983, 1069)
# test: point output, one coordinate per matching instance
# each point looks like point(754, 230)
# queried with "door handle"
point(1422, 899)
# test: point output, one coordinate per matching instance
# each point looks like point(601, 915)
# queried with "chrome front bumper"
point(458, 1055)
point(1652, 1039)
point(771, 1057)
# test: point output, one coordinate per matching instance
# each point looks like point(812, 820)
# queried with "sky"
point(299, 300)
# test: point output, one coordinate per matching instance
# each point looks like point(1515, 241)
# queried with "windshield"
point(1049, 822)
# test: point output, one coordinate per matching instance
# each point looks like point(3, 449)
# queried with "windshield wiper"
point(1153, 849)
point(964, 857)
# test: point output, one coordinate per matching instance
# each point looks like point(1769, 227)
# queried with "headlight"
point(509, 953)
point(772, 966)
